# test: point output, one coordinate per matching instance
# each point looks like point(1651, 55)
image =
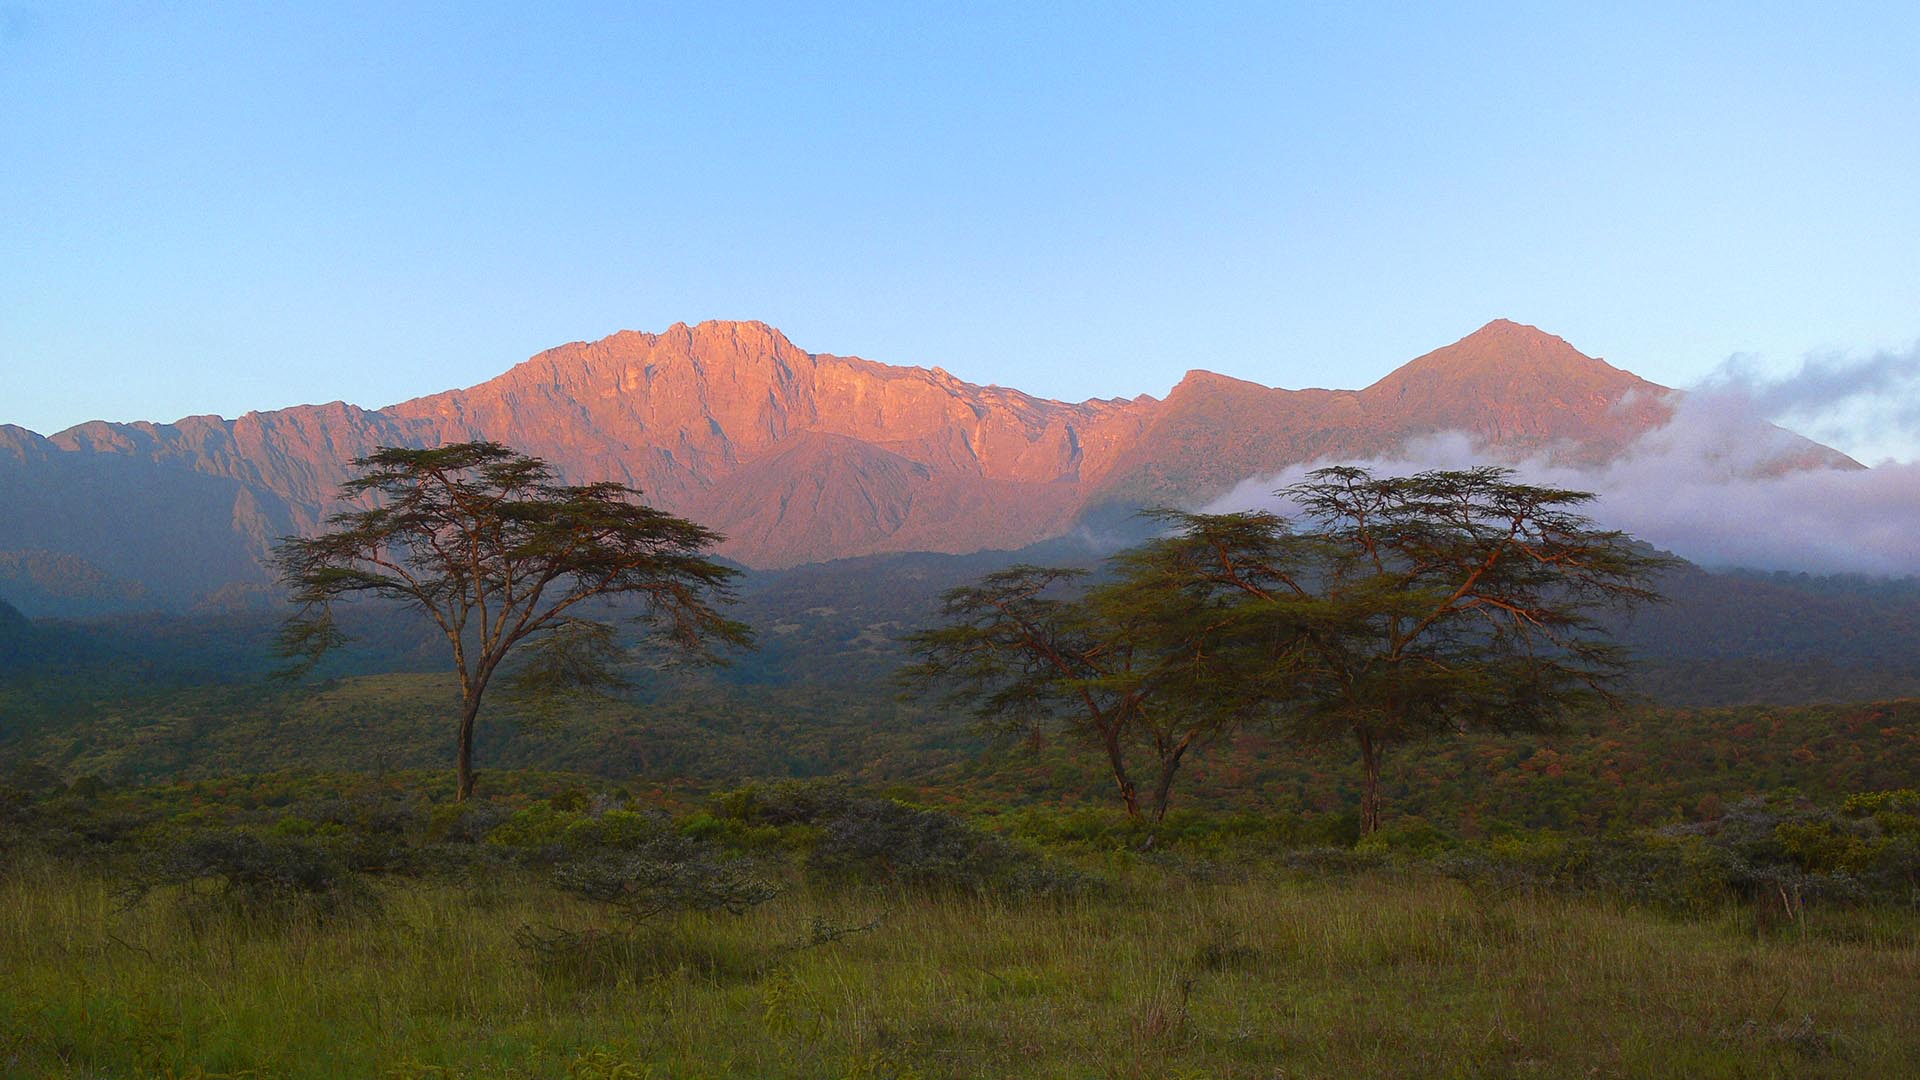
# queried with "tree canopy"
point(1017, 650)
point(488, 545)
point(1412, 606)
point(1389, 610)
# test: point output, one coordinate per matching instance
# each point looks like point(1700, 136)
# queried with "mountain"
point(797, 457)
point(1512, 387)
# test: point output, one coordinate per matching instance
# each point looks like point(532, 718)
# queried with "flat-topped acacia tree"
point(484, 542)
point(1412, 606)
point(1112, 667)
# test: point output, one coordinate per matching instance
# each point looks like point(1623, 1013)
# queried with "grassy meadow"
point(1669, 892)
point(451, 953)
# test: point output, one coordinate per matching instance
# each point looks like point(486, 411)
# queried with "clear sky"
point(252, 206)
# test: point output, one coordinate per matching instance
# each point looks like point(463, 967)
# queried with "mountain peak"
point(1510, 343)
point(1503, 351)
point(1197, 377)
point(1511, 383)
point(1509, 327)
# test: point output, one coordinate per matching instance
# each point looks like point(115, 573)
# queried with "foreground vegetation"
point(1646, 766)
point(346, 926)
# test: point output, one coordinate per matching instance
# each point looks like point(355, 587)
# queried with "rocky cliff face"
point(795, 456)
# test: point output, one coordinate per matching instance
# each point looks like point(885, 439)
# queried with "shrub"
point(1775, 853)
point(1333, 861)
point(534, 833)
point(617, 829)
point(648, 875)
point(464, 822)
point(19, 792)
point(1785, 847)
point(1408, 836)
point(253, 875)
point(862, 840)
point(787, 802)
point(740, 836)
point(872, 840)
point(71, 827)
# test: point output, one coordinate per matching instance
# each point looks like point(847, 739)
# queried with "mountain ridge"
point(795, 456)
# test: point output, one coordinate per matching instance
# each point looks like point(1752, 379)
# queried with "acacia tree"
point(1413, 606)
point(486, 544)
point(1188, 645)
point(1022, 649)
point(1018, 652)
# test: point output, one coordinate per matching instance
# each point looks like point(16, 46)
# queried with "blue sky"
point(250, 207)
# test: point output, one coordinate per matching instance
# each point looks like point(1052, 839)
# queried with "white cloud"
point(1708, 485)
point(1869, 406)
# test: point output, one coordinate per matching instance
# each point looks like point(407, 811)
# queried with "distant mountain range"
point(797, 457)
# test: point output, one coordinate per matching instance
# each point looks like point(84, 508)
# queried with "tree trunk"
point(1370, 785)
point(469, 709)
point(1127, 793)
point(1163, 790)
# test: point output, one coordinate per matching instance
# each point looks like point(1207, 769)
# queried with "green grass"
point(1279, 974)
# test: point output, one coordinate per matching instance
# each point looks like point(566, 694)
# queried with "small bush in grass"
point(788, 802)
point(635, 864)
point(17, 810)
point(27, 785)
point(1789, 851)
point(534, 833)
point(615, 829)
point(1333, 862)
point(858, 840)
point(640, 870)
point(664, 872)
point(1410, 836)
point(879, 840)
point(464, 822)
point(253, 875)
point(738, 835)
point(1198, 869)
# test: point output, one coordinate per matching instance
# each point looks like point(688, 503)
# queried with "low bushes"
point(642, 876)
point(858, 840)
point(252, 875)
point(879, 840)
point(316, 843)
point(1778, 853)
